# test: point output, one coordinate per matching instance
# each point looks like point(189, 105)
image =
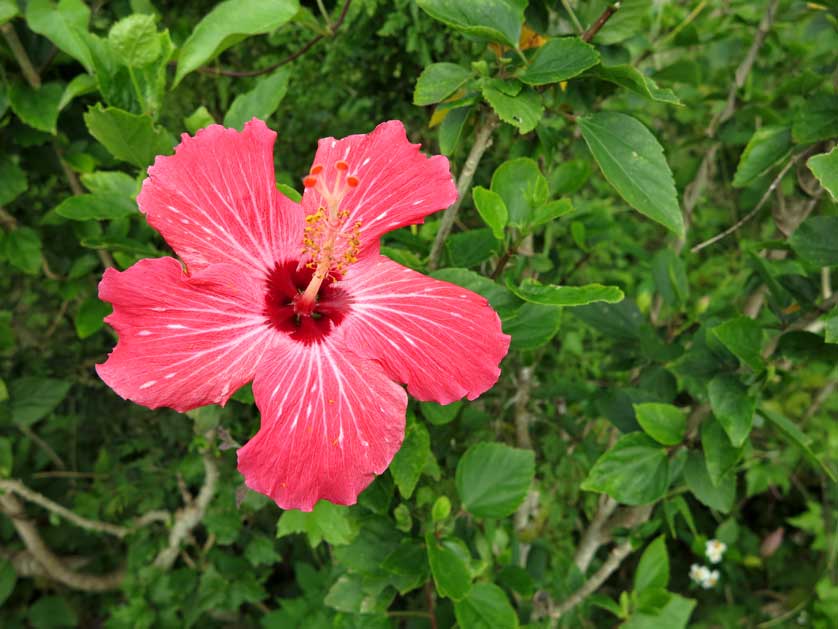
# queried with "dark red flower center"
point(306, 323)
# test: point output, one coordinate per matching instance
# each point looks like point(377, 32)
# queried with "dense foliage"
point(647, 198)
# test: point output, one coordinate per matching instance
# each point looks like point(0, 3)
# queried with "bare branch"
point(610, 10)
point(27, 69)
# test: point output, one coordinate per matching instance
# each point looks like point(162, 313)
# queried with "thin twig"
point(576, 23)
point(482, 141)
point(610, 10)
point(727, 232)
point(22, 58)
point(615, 558)
point(48, 449)
point(594, 537)
point(296, 55)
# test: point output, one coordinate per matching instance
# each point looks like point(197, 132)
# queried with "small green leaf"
point(720, 456)
point(438, 414)
point(260, 102)
point(134, 40)
point(326, 521)
point(767, 146)
point(560, 59)
point(825, 168)
point(535, 292)
point(51, 612)
point(670, 274)
point(664, 423)
point(831, 326)
point(791, 432)
point(634, 471)
point(438, 81)
point(411, 458)
point(522, 187)
point(8, 579)
point(33, 398)
point(498, 20)
point(450, 572)
point(90, 316)
point(669, 610)
point(815, 240)
point(523, 111)
point(132, 138)
point(64, 23)
point(8, 10)
point(491, 208)
point(631, 78)
point(111, 182)
point(632, 161)
point(653, 569)
point(532, 325)
point(451, 129)
point(6, 460)
point(38, 108)
point(79, 86)
point(485, 607)
point(493, 479)
point(742, 336)
point(227, 24)
point(718, 496)
point(817, 119)
point(23, 249)
point(732, 406)
point(98, 206)
point(550, 211)
point(13, 181)
point(198, 119)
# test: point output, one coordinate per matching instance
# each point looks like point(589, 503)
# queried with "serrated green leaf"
point(133, 138)
point(438, 81)
point(532, 325)
point(631, 78)
point(493, 479)
point(492, 209)
point(96, 206)
point(13, 180)
point(653, 568)
point(260, 102)
point(227, 24)
point(522, 187)
point(825, 168)
point(815, 240)
point(485, 607)
point(560, 59)
point(33, 398)
point(816, 119)
point(718, 496)
point(767, 146)
point(326, 521)
point(664, 423)
point(632, 161)
point(411, 459)
point(64, 23)
point(450, 573)
point(22, 248)
point(633, 471)
point(134, 40)
point(732, 406)
point(742, 336)
point(720, 455)
point(38, 108)
point(534, 292)
point(451, 129)
point(522, 111)
point(498, 20)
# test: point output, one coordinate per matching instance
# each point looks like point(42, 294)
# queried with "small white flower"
point(711, 580)
point(715, 550)
point(699, 573)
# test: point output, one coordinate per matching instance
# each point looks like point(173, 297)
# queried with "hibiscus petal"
point(330, 423)
point(442, 340)
point(397, 185)
point(215, 200)
point(184, 341)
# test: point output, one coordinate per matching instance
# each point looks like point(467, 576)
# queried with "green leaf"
point(492, 209)
point(670, 275)
point(664, 423)
point(732, 406)
point(8, 579)
point(634, 471)
point(499, 297)
point(815, 240)
point(98, 206)
point(134, 40)
point(633, 162)
point(132, 138)
point(13, 181)
point(522, 187)
point(535, 292)
point(674, 613)
point(326, 521)
point(523, 111)
point(767, 146)
point(718, 496)
point(79, 86)
point(720, 456)
point(560, 59)
point(532, 325)
point(198, 119)
point(451, 129)
point(111, 182)
point(65, 24)
point(800, 439)
point(449, 570)
point(50, 612)
point(33, 398)
point(411, 458)
point(471, 247)
point(438, 81)
point(38, 108)
point(8, 10)
point(550, 211)
point(653, 569)
point(23, 249)
point(498, 20)
point(90, 316)
point(631, 78)
point(742, 336)
point(227, 24)
point(485, 607)
point(493, 479)
point(831, 326)
point(817, 119)
point(6, 461)
point(825, 168)
point(260, 102)
point(438, 414)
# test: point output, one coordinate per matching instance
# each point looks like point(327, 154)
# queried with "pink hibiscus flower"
point(297, 298)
